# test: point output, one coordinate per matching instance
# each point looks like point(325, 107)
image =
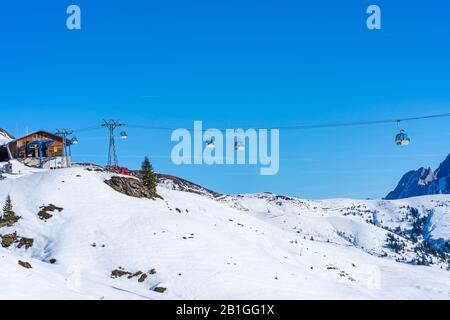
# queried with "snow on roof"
point(5, 137)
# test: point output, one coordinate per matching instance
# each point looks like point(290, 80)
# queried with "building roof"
point(5, 137)
point(52, 135)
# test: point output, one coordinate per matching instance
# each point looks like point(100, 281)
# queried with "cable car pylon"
point(112, 125)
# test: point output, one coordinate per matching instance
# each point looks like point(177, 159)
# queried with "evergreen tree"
point(8, 213)
point(148, 177)
point(8, 208)
point(394, 243)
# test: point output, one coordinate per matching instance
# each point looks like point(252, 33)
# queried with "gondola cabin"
point(402, 139)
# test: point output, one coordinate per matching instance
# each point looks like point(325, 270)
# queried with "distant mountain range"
point(422, 182)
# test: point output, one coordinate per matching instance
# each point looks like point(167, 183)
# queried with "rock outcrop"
point(129, 186)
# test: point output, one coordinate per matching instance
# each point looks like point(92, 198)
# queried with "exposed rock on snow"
point(160, 289)
point(8, 239)
point(129, 186)
point(423, 182)
point(120, 272)
point(25, 242)
point(44, 213)
point(142, 278)
point(25, 264)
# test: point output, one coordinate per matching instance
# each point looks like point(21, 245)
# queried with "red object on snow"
point(119, 170)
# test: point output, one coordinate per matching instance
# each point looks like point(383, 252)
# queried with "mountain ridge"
point(423, 181)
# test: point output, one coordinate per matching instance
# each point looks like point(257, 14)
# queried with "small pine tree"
point(8, 213)
point(148, 177)
point(8, 208)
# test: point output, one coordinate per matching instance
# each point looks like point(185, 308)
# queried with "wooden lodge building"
point(34, 148)
point(20, 148)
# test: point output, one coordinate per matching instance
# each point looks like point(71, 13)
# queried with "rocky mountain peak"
point(423, 181)
point(444, 169)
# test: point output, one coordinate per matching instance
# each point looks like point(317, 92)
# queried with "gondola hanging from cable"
point(402, 139)
point(123, 135)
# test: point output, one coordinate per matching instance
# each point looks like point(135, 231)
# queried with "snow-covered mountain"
point(83, 239)
point(175, 183)
point(424, 181)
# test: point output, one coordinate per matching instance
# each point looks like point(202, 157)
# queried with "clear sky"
point(236, 63)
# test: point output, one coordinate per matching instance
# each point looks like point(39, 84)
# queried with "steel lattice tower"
point(112, 155)
point(64, 133)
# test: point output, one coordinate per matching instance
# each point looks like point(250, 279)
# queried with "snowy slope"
point(175, 183)
point(364, 224)
point(235, 247)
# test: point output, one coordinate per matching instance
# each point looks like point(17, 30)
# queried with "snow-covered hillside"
point(85, 240)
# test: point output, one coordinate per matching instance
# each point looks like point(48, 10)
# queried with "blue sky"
point(237, 64)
